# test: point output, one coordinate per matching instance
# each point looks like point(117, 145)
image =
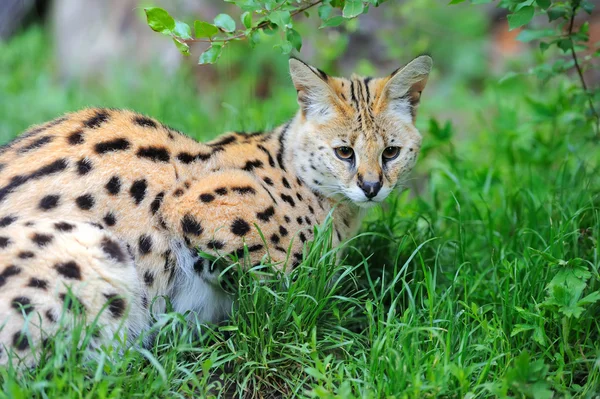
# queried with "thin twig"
point(578, 68)
point(262, 25)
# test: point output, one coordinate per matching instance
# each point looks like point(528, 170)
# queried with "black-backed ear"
point(315, 96)
point(404, 87)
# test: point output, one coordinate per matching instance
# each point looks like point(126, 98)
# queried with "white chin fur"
point(366, 204)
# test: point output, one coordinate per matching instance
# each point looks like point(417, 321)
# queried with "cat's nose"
point(370, 188)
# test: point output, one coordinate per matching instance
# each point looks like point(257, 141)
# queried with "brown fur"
point(156, 196)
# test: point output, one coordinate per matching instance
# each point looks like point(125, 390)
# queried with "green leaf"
point(325, 11)
point(211, 55)
point(332, 22)
point(285, 47)
point(565, 44)
point(281, 18)
point(555, 13)
point(521, 17)
point(182, 30)
point(182, 47)
point(587, 6)
point(225, 22)
point(456, 1)
point(247, 19)
point(204, 29)
point(543, 4)
point(353, 8)
point(527, 35)
point(294, 38)
point(159, 20)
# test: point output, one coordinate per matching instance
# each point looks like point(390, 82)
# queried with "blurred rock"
point(14, 14)
point(90, 35)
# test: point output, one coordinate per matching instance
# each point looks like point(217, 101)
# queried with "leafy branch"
point(562, 14)
point(589, 95)
point(272, 16)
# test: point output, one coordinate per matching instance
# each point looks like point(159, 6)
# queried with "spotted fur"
point(112, 206)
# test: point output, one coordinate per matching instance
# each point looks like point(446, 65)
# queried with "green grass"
point(485, 284)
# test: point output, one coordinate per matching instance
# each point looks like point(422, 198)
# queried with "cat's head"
point(355, 139)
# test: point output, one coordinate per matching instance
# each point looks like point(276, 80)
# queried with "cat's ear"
point(402, 92)
point(315, 97)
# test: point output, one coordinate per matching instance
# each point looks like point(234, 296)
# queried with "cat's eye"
point(345, 153)
point(391, 153)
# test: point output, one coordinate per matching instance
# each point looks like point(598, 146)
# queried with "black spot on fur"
point(138, 190)
point(49, 202)
point(26, 255)
point(275, 238)
point(190, 225)
point(72, 303)
point(156, 203)
point(85, 202)
point(311, 209)
point(145, 244)
point(255, 247)
point(20, 341)
point(224, 141)
point(109, 219)
point(64, 226)
point(113, 250)
point(69, 270)
point(251, 165)
point(22, 302)
point(185, 157)
point(97, 120)
point(37, 283)
point(288, 199)
point(285, 182)
point(287, 218)
point(112, 145)
point(307, 220)
point(7, 220)
point(300, 198)
point(144, 121)
point(266, 215)
point(244, 190)
point(75, 138)
point(199, 266)
point(4, 242)
point(271, 160)
point(155, 154)
point(206, 198)
point(50, 316)
point(221, 191)
point(41, 239)
point(215, 244)
point(204, 157)
point(11, 270)
point(240, 227)
point(17, 181)
point(96, 225)
point(281, 150)
point(148, 278)
point(84, 166)
point(114, 185)
point(116, 305)
point(302, 237)
point(268, 181)
point(283, 231)
point(36, 144)
point(299, 220)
